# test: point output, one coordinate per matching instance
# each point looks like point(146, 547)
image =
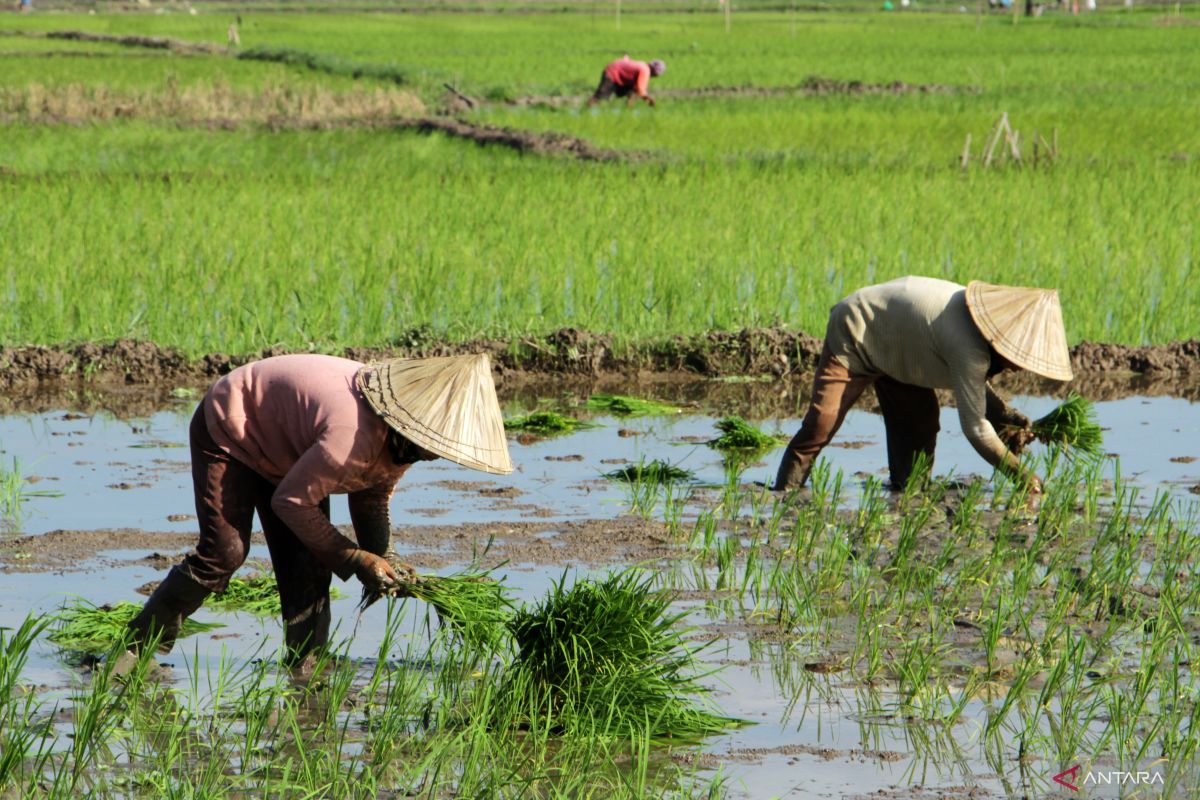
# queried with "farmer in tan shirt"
point(912, 335)
point(279, 437)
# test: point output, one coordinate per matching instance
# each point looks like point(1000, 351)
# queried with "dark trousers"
point(910, 418)
point(228, 493)
point(608, 88)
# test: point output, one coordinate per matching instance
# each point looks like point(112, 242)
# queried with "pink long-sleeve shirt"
point(301, 423)
point(625, 72)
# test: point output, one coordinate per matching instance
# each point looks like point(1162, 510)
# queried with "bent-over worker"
point(627, 78)
point(278, 437)
point(912, 335)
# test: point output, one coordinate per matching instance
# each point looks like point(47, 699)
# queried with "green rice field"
point(631, 613)
point(189, 216)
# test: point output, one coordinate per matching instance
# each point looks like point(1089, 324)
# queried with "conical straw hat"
point(1023, 325)
point(446, 405)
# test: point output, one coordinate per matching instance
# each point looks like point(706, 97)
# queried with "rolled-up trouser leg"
point(303, 584)
point(835, 390)
point(910, 415)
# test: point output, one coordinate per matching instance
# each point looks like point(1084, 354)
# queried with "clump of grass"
point(1073, 427)
point(257, 593)
point(608, 657)
point(737, 434)
point(472, 604)
point(89, 628)
point(546, 423)
point(623, 406)
point(654, 472)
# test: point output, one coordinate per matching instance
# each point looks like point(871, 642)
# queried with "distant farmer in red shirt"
point(627, 78)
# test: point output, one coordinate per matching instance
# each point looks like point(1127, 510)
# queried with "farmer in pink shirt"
point(278, 437)
point(627, 78)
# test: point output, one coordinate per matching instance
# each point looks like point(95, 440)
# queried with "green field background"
point(739, 210)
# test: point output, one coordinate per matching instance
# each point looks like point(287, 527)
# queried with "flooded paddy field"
point(957, 642)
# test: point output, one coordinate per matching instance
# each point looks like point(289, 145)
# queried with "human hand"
point(374, 572)
point(1015, 439)
point(649, 101)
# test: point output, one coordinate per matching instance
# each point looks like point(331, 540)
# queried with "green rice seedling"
point(546, 423)
point(609, 657)
point(14, 492)
point(89, 628)
point(17, 708)
point(655, 472)
point(1073, 427)
point(473, 604)
point(737, 434)
point(623, 406)
point(257, 593)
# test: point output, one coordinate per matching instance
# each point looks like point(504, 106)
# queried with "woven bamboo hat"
point(1023, 325)
point(446, 405)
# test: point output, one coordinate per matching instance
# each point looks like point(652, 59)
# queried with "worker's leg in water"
point(303, 585)
point(910, 415)
point(225, 491)
point(834, 391)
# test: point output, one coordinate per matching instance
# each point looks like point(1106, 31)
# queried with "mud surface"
point(754, 360)
point(592, 543)
point(541, 144)
point(150, 42)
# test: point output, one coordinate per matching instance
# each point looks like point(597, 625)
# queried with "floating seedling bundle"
point(1073, 427)
point(471, 604)
point(623, 406)
point(90, 628)
point(656, 472)
point(737, 434)
point(257, 593)
point(546, 423)
point(608, 657)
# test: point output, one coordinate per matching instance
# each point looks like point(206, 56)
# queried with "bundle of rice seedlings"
point(1073, 427)
point(656, 471)
point(472, 604)
point(621, 406)
point(737, 434)
point(546, 423)
point(608, 658)
point(257, 593)
point(90, 628)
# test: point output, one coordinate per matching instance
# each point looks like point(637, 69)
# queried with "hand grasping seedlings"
point(473, 605)
point(1073, 426)
point(382, 576)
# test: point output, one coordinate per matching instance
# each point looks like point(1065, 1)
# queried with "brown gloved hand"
point(374, 572)
point(1015, 439)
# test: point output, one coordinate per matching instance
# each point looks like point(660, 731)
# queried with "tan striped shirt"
point(918, 331)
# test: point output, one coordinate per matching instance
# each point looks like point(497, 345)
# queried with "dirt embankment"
point(545, 143)
point(150, 42)
point(1104, 370)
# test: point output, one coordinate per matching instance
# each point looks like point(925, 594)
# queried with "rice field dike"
point(631, 613)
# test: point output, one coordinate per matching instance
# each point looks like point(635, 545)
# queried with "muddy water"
point(134, 473)
point(816, 736)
